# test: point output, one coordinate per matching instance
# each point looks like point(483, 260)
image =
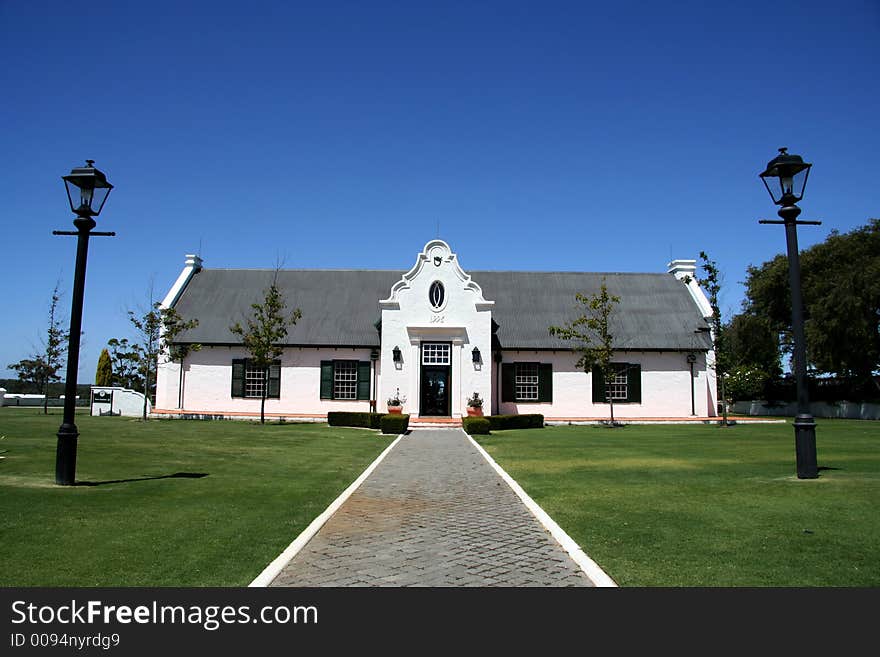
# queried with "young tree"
point(147, 327)
point(134, 364)
point(55, 347)
point(173, 326)
point(125, 360)
point(104, 373)
point(591, 333)
point(32, 373)
point(264, 332)
point(43, 367)
point(711, 283)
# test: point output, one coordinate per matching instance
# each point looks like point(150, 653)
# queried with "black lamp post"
point(87, 191)
point(785, 179)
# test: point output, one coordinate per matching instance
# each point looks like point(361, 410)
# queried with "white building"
point(438, 333)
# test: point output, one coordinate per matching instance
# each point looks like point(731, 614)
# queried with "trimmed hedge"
point(395, 423)
point(350, 419)
point(475, 425)
point(528, 421)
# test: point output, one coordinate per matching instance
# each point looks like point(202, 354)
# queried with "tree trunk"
point(723, 404)
point(46, 397)
point(263, 397)
point(180, 386)
point(146, 391)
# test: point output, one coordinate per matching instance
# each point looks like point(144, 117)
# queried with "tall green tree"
point(104, 373)
point(711, 283)
point(752, 342)
point(840, 278)
point(753, 356)
point(591, 335)
point(264, 331)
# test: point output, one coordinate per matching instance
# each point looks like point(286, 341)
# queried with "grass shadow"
point(176, 475)
point(607, 424)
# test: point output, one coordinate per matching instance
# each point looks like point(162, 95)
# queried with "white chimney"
point(193, 261)
point(191, 265)
point(686, 271)
point(682, 268)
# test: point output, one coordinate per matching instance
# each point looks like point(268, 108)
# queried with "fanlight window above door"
point(436, 295)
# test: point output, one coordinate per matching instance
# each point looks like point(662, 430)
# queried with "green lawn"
point(130, 523)
point(705, 506)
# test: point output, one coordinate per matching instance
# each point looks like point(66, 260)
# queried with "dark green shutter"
point(238, 377)
point(326, 379)
point(634, 383)
point(508, 382)
point(274, 389)
point(598, 386)
point(363, 391)
point(545, 382)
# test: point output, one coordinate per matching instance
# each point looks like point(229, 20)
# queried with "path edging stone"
point(273, 569)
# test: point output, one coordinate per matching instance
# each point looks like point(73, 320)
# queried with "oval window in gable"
point(436, 295)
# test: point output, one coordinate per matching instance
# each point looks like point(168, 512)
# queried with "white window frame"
point(618, 387)
point(436, 353)
point(345, 379)
point(526, 386)
point(254, 380)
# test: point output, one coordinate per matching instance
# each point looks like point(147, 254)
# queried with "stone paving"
point(433, 513)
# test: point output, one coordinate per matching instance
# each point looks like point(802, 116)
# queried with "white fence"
point(21, 399)
point(842, 409)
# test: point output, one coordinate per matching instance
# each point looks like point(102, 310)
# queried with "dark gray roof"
point(341, 307)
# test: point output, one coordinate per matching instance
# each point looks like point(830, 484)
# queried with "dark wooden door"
point(435, 390)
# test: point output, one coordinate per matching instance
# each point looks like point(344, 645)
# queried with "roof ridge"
point(472, 271)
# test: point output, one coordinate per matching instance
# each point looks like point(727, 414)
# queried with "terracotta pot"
point(396, 410)
point(475, 411)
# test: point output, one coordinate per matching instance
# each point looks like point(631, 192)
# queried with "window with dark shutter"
point(625, 386)
point(526, 382)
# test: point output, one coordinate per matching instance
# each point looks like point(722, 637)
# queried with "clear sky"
point(606, 136)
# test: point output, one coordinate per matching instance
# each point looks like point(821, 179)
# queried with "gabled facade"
point(437, 334)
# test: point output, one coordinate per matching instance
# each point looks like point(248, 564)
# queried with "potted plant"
point(475, 405)
point(396, 402)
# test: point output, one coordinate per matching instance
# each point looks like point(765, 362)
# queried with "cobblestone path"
point(434, 513)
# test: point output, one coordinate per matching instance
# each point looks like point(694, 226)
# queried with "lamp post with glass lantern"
point(785, 179)
point(87, 191)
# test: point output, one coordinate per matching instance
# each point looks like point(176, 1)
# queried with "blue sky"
point(539, 135)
